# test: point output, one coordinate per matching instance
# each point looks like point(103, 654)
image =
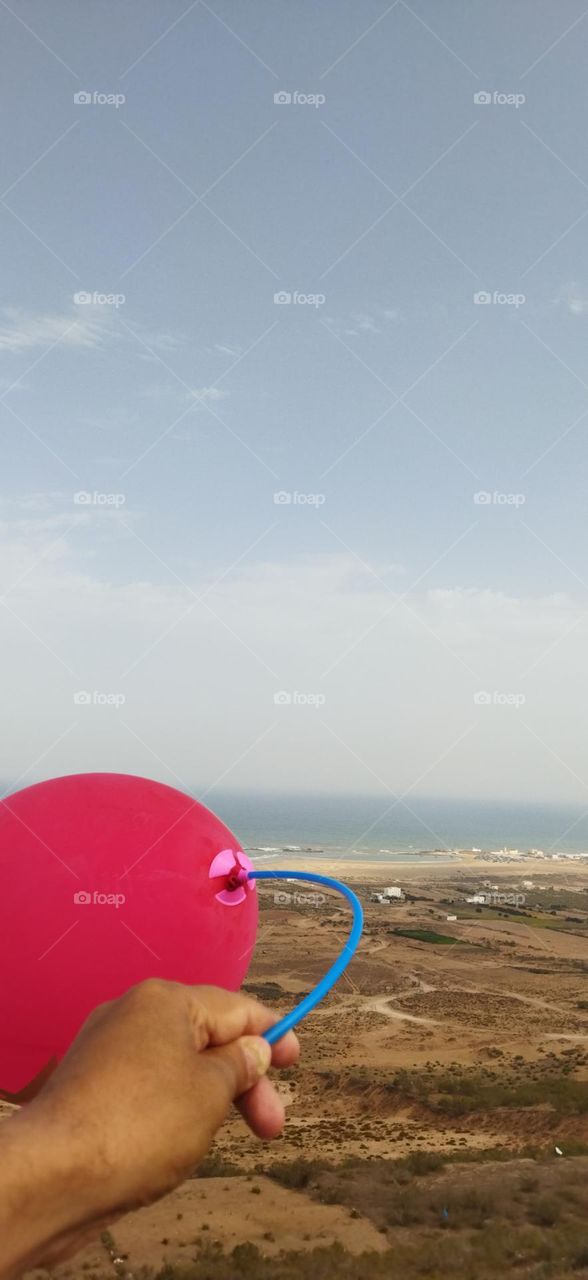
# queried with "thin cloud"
point(360, 322)
point(227, 350)
point(207, 393)
point(87, 326)
point(40, 500)
point(574, 298)
point(31, 332)
point(162, 341)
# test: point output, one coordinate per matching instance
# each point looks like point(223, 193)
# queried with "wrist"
point(47, 1192)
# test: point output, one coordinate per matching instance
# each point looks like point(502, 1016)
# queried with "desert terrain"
point(438, 1121)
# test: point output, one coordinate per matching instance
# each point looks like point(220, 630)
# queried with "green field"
point(427, 935)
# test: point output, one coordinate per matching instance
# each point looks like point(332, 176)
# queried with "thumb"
point(240, 1064)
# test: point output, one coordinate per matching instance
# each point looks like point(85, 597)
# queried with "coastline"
point(414, 867)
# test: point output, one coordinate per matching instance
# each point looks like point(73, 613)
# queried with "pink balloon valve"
point(232, 869)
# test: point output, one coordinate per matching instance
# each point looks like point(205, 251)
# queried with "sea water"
point(377, 828)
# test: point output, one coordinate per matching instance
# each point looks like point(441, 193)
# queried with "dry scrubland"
point(434, 1087)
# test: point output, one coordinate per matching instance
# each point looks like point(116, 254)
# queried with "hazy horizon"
point(11, 785)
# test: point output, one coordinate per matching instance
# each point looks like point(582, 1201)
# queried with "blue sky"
point(380, 399)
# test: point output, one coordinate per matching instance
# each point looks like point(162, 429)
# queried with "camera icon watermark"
point(93, 298)
point(297, 99)
point(288, 497)
point(484, 298)
point(94, 98)
point(484, 98)
point(485, 498)
point(84, 899)
point(94, 698)
point(496, 699)
point(85, 499)
point(284, 698)
point(285, 298)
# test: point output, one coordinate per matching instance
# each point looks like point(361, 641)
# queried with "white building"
point(390, 895)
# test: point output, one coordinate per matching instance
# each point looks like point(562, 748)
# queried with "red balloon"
point(105, 880)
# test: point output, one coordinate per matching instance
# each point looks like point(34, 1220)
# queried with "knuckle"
point(149, 991)
point(99, 1012)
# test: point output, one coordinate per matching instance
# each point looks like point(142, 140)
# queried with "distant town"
point(507, 855)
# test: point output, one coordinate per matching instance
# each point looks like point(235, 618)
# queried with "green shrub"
point(296, 1173)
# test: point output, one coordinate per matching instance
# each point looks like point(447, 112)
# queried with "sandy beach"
point(431, 867)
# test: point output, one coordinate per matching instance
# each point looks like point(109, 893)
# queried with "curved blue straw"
point(317, 994)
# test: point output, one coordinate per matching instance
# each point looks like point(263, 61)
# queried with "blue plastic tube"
point(320, 991)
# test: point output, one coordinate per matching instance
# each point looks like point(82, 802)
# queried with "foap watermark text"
point(486, 498)
point(96, 98)
point(283, 899)
point(485, 298)
point(287, 497)
point(297, 99)
point(496, 699)
point(93, 698)
point(93, 298)
point(284, 298)
point(498, 899)
point(494, 98)
point(84, 899)
point(295, 698)
point(85, 499)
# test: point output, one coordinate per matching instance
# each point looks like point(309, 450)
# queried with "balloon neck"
point(237, 878)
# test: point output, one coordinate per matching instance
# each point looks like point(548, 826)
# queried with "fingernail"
point(258, 1054)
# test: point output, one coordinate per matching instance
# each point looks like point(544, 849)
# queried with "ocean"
point(374, 827)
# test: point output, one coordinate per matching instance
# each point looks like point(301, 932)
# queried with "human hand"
point(137, 1099)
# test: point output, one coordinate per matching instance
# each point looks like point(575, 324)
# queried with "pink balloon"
point(107, 879)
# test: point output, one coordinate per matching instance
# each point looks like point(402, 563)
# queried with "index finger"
point(230, 1014)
